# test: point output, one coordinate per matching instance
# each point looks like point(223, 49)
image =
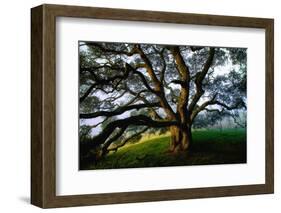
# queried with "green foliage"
point(210, 147)
point(85, 132)
point(89, 104)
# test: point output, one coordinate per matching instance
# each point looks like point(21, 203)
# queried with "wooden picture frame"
point(43, 105)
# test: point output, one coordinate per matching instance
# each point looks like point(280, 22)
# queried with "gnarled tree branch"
point(118, 111)
point(124, 142)
point(199, 78)
point(139, 120)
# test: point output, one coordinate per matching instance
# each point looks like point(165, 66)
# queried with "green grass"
point(226, 146)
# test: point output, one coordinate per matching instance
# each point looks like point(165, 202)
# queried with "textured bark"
point(181, 139)
point(175, 138)
point(186, 140)
point(181, 136)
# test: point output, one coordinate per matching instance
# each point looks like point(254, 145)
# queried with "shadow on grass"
point(209, 147)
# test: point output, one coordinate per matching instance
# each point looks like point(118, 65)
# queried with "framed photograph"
point(136, 106)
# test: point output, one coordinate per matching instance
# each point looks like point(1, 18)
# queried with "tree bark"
point(181, 138)
point(175, 138)
point(186, 140)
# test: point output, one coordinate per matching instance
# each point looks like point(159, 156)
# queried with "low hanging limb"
point(139, 120)
point(123, 143)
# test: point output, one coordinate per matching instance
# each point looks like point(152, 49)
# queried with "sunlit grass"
point(209, 147)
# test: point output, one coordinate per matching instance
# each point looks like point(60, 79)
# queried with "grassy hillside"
point(209, 147)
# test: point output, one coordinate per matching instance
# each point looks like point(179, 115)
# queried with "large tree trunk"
point(175, 138)
point(186, 140)
point(181, 138)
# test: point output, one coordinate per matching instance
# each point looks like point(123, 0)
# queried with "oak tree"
point(129, 89)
